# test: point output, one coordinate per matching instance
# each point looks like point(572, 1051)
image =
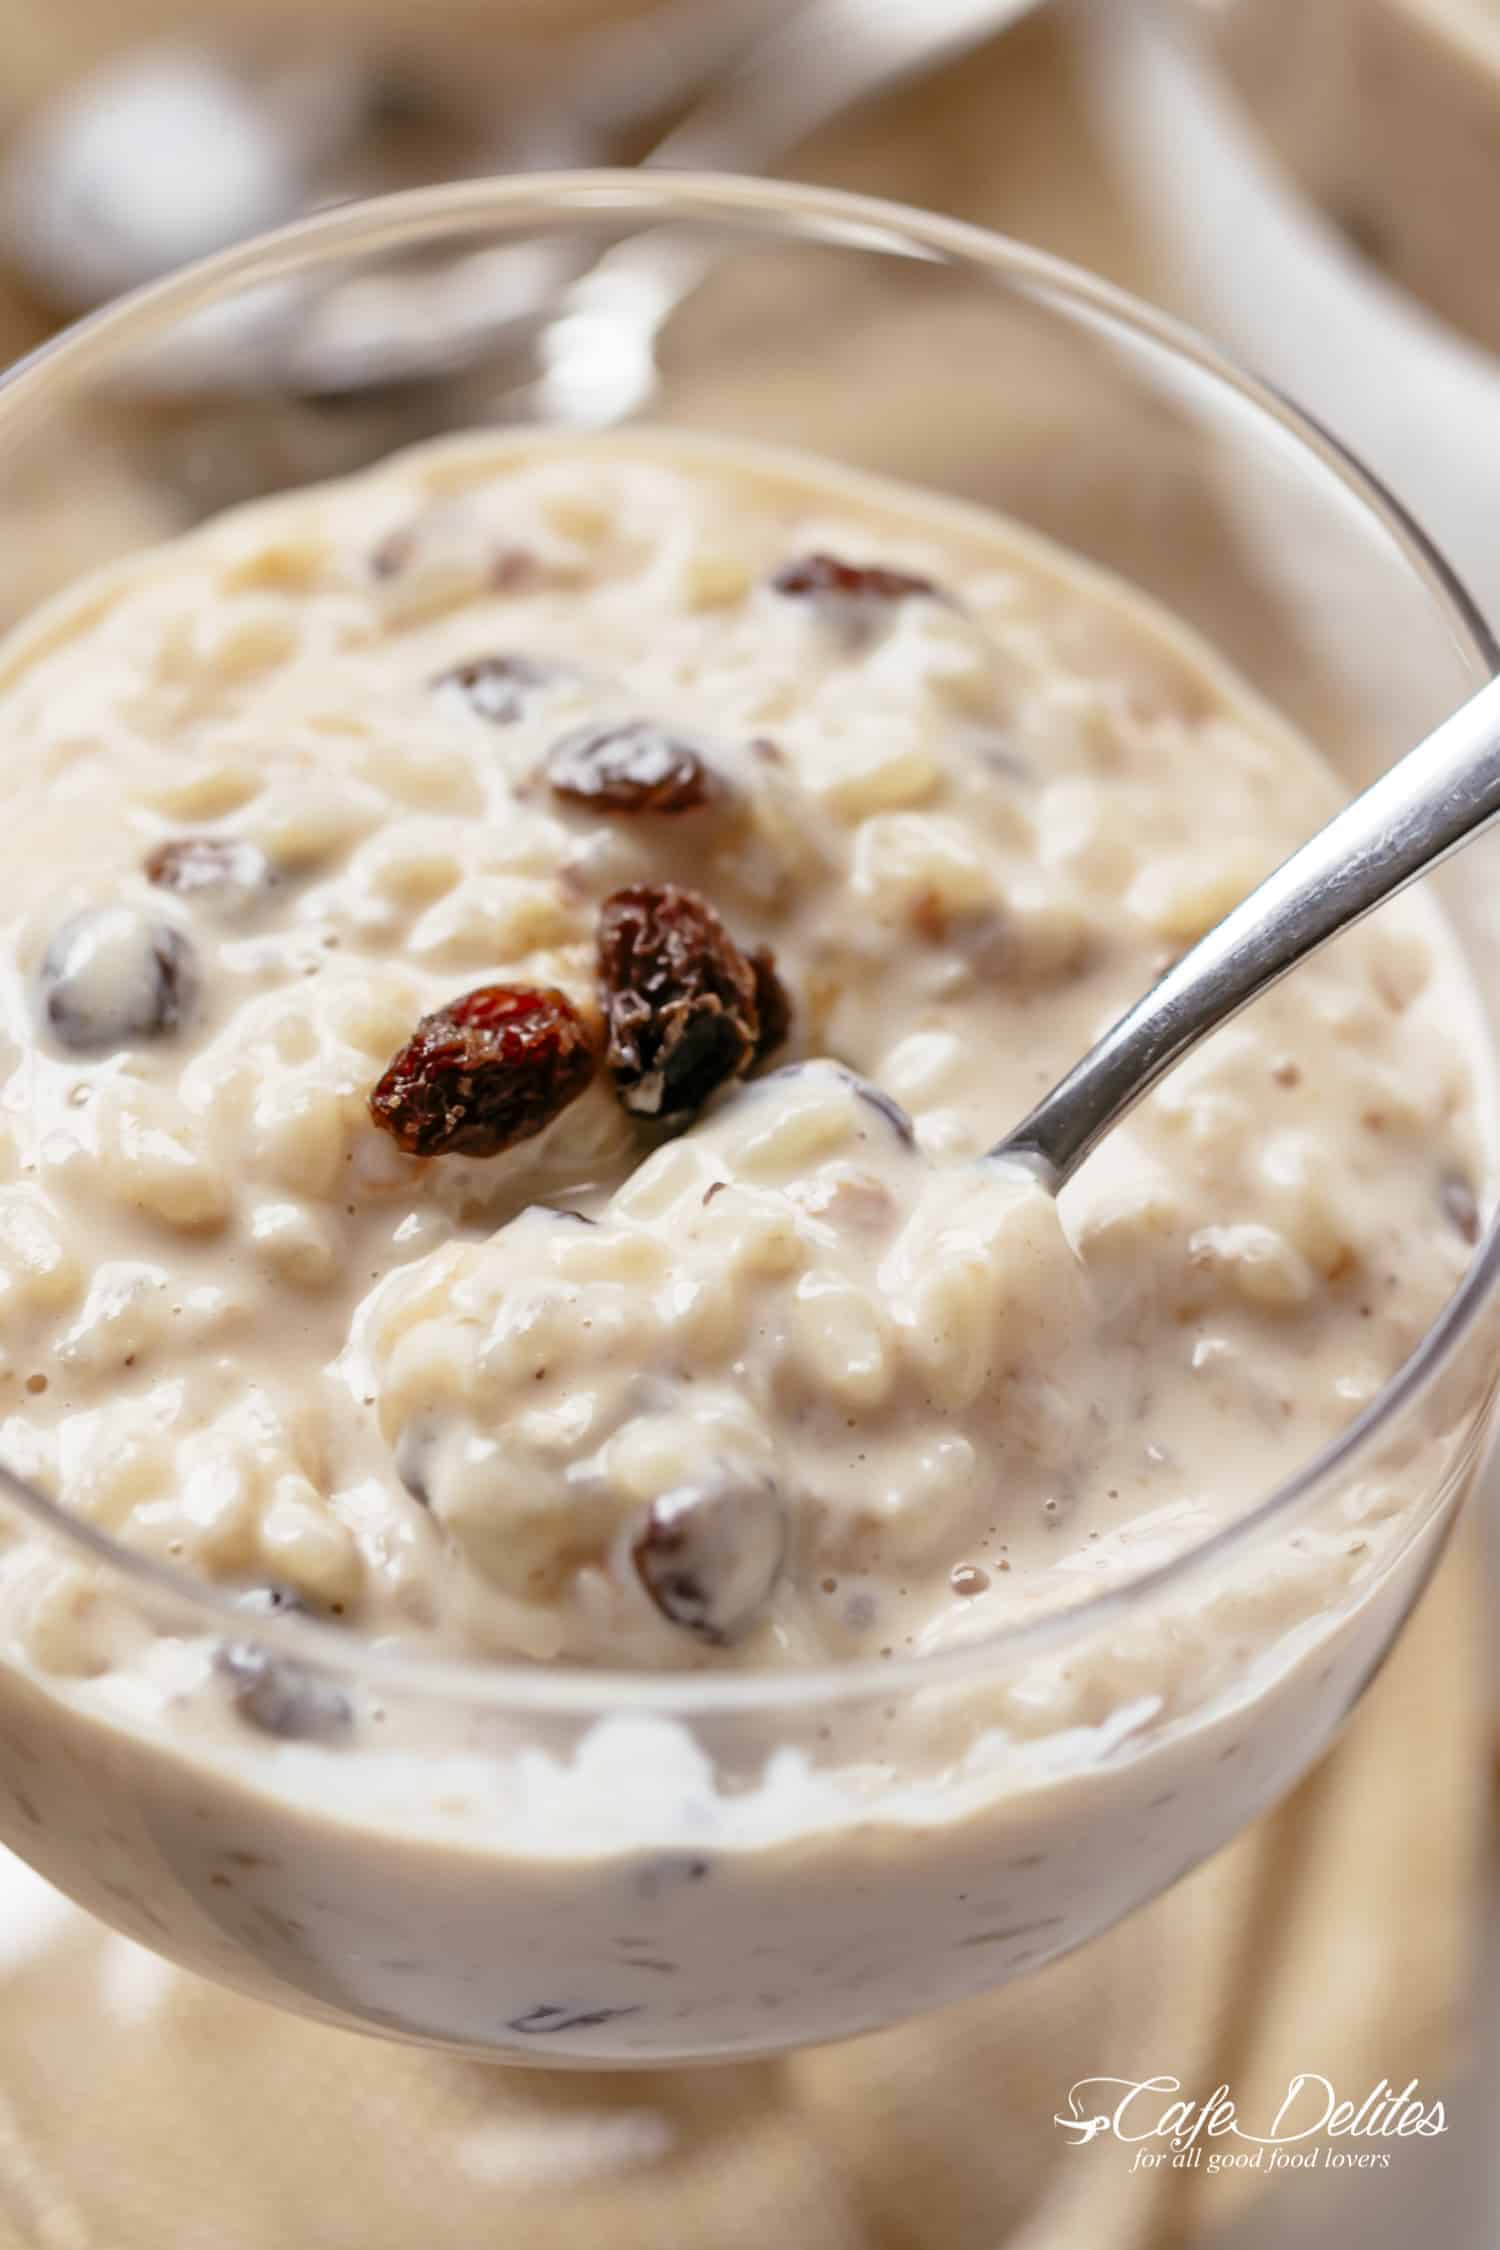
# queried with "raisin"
point(286, 1700)
point(1460, 1205)
point(773, 1005)
point(485, 1072)
point(227, 870)
point(632, 768)
point(710, 1559)
point(861, 582)
point(500, 689)
point(112, 974)
point(681, 1001)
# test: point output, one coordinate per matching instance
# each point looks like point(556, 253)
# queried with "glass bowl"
point(1387, 113)
point(566, 1867)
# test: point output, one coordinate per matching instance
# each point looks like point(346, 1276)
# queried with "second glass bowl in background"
point(1387, 113)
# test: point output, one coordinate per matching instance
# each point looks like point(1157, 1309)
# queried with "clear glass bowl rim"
point(831, 217)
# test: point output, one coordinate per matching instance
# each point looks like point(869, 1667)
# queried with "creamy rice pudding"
point(512, 965)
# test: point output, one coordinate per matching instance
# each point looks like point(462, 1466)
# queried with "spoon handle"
point(1434, 800)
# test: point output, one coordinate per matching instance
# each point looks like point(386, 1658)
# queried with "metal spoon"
point(593, 343)
point(578, 332)
point(1436, 799)
point(180, 147)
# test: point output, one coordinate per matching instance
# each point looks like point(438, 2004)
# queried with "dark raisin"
point(1460, 1204)
point(861, 582)
point(710, 1559)
point(485, 1072)
point(225, 870)
point(283, 1699)
point(500, 689)
point(679, 1000)
point(111, 974)
point(537, 2022)
point(633, 768)
point(773, 1005)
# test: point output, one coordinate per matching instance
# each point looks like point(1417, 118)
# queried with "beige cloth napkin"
point(141, 2109)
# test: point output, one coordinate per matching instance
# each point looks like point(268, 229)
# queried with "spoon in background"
point(180, 147)
point(584, 354)
point(105, 193)
point(1432, 802)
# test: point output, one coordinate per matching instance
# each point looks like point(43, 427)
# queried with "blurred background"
point(1314, 182)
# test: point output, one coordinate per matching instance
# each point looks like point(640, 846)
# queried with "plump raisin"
point(680, 1000)
point(486, 1072)
point(500, 689)
point(860, 582)
point(111, 975)
point(633, 768)
point(773, 1005)
point(286, 1700)
point(710, 1559)
point(224, 871)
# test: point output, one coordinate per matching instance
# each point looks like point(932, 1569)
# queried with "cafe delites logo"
point(1312, 2128)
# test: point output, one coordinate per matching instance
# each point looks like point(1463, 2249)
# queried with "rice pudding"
point(513, 962)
